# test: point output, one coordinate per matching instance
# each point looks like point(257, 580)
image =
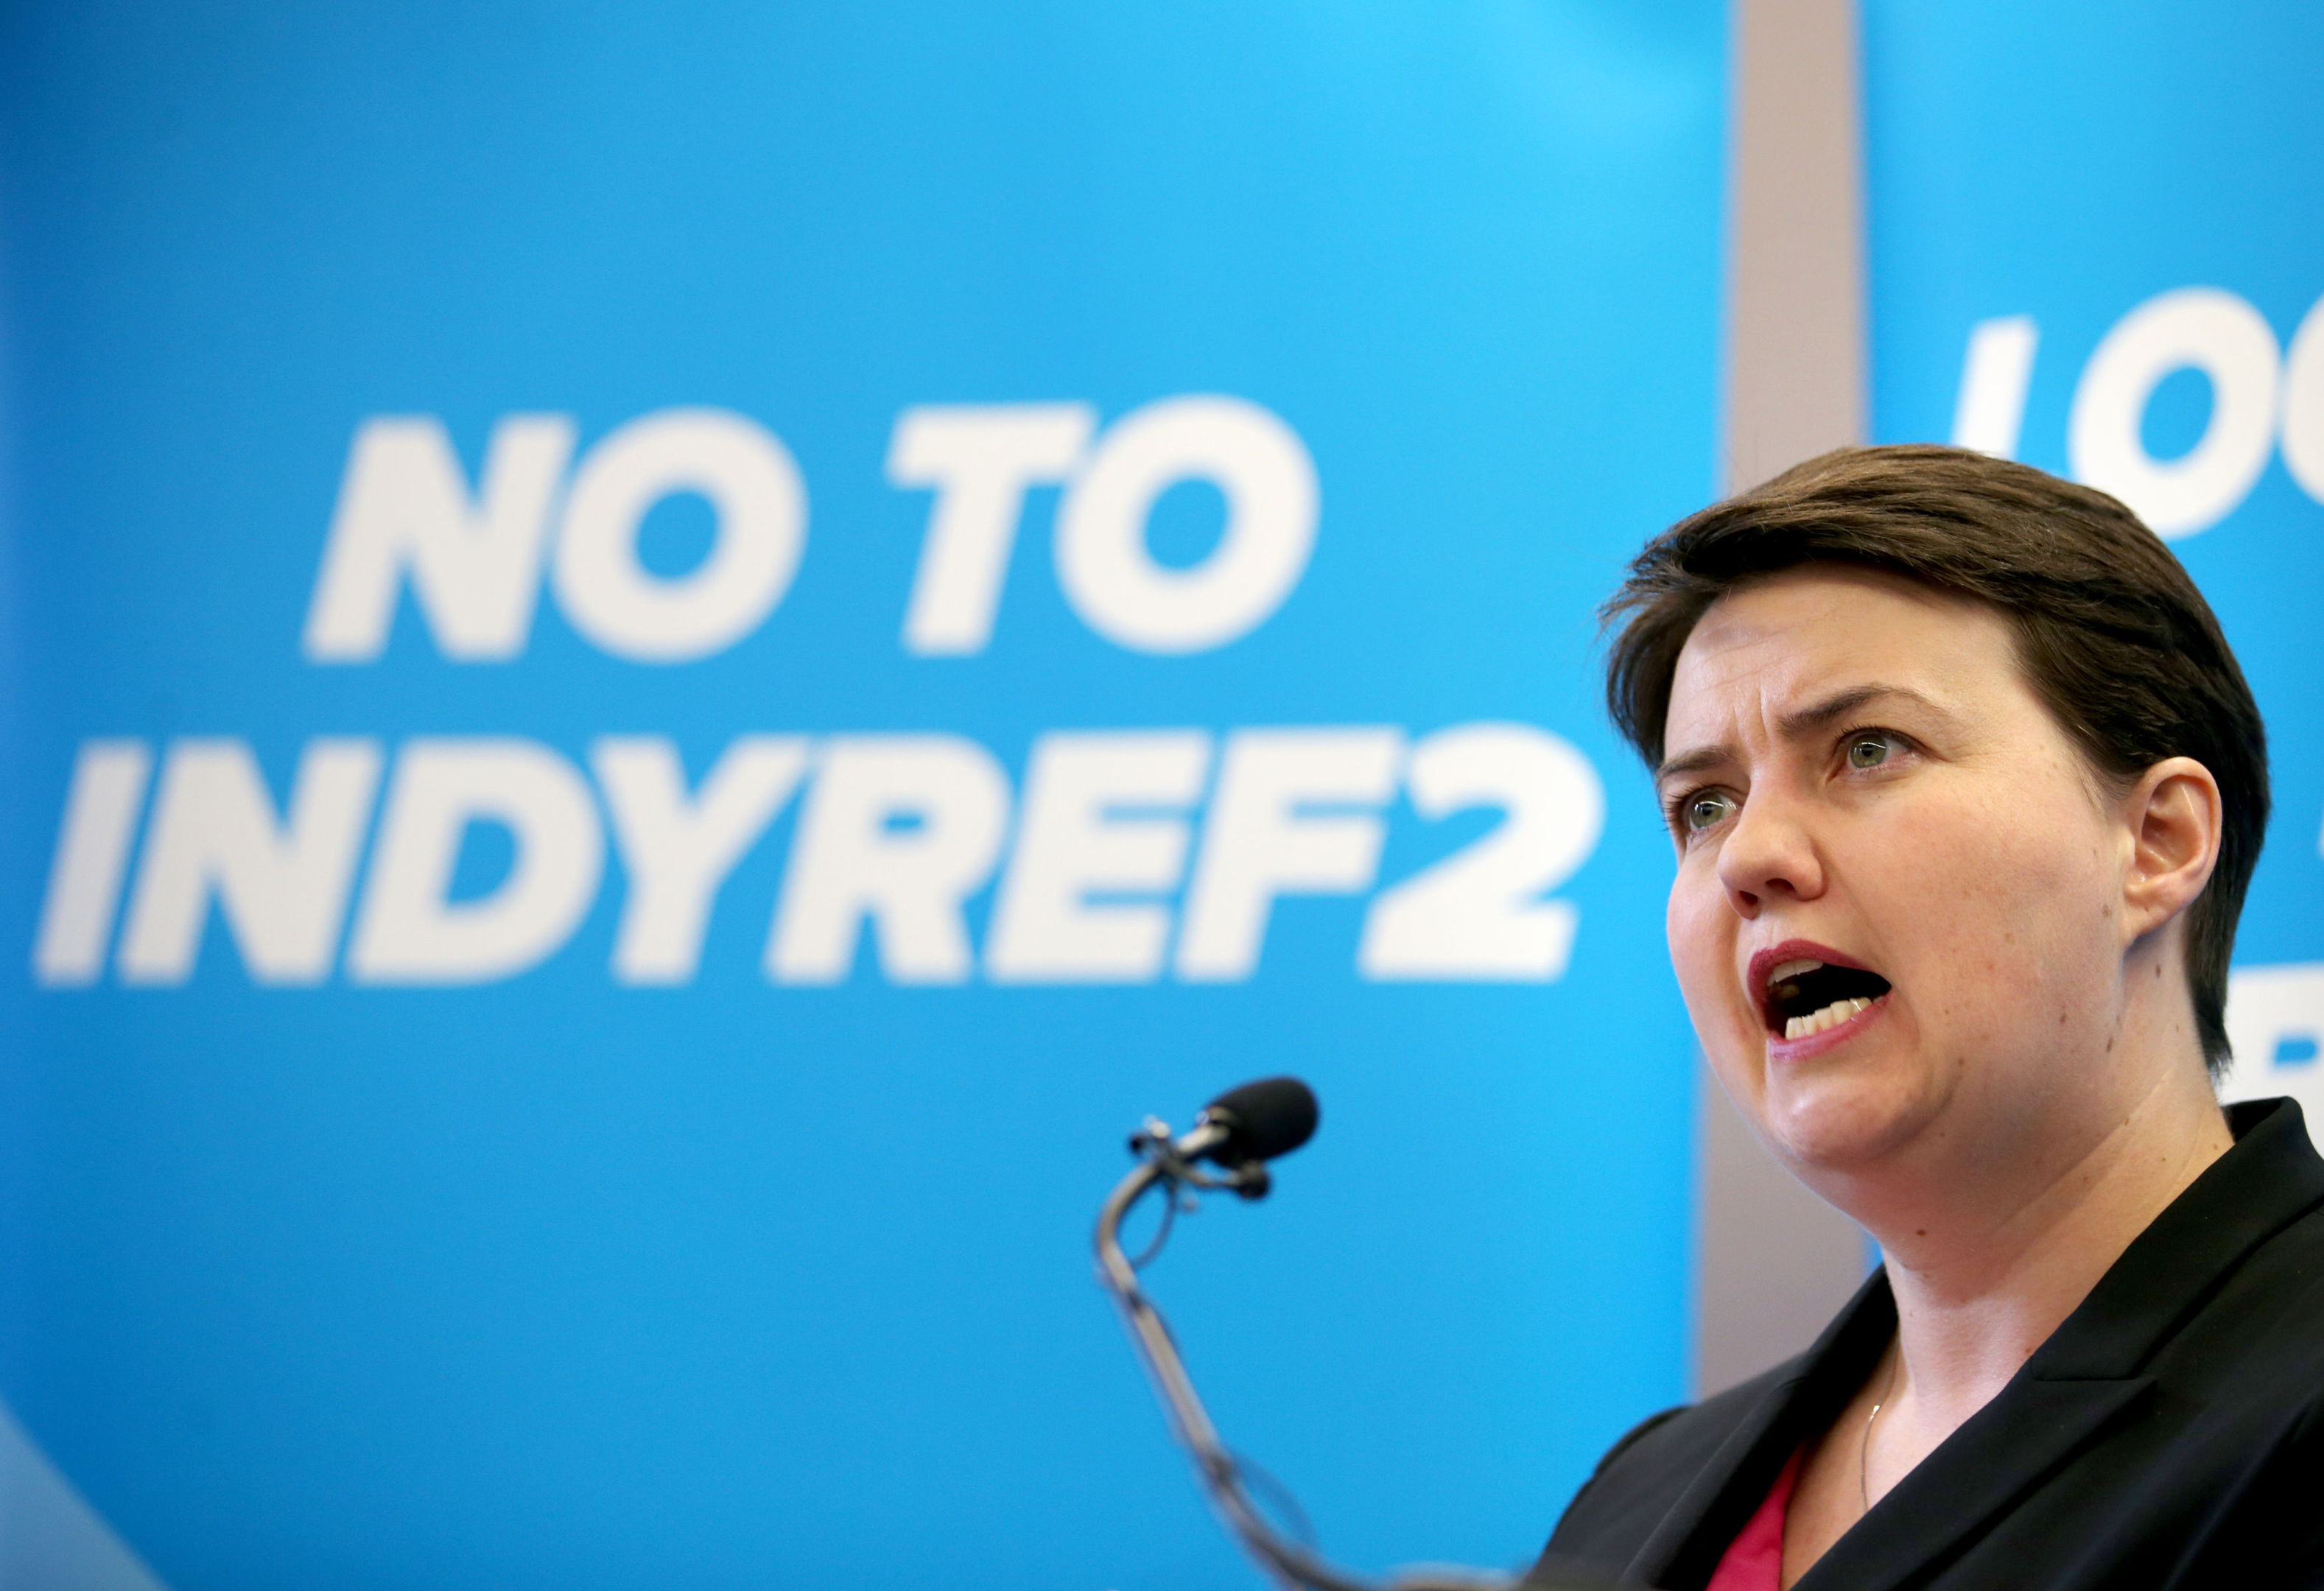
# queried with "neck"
point(1988, 1260)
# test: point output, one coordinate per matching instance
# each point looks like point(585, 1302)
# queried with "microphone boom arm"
point(1170, 1165)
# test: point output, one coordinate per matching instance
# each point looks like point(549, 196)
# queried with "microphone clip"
point(1176, 1159)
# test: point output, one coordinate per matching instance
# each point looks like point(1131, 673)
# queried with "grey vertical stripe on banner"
point(1773, 1261)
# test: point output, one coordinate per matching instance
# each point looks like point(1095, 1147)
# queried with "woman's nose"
point(1768, 855)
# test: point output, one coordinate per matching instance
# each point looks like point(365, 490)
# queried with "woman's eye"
point(1706, 810)
point(1870, 750)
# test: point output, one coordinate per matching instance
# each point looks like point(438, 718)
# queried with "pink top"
point(1754, 1559)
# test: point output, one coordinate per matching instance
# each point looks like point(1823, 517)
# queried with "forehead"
point(1785, 640)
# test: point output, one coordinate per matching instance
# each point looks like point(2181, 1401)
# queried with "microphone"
point(1262, 1120)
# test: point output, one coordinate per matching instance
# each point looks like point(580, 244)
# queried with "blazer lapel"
point(1689, 1516)
point(1686, 1546)
point(2004, 1451)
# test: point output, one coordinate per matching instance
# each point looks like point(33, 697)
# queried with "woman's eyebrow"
point(1700, 760)
point(1841, 703)
point(1799, 724)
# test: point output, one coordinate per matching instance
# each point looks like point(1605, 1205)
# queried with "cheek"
point(2004, 912)
point(1700, 928)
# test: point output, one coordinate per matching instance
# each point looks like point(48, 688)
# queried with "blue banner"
point(663, 664)
point(2094, 247)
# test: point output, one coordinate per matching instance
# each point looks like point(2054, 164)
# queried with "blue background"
point(557, 1283)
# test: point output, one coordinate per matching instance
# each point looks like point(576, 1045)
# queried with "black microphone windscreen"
point(1263, 1119)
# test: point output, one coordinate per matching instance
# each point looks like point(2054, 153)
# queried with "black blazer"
point(2169, 1433)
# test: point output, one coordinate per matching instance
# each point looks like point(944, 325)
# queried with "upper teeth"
point(1831, 1016)
point(1790, 970)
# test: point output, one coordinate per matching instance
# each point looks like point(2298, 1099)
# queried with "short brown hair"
point(2111, 631)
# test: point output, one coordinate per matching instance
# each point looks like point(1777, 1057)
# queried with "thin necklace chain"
point(1864, 1448)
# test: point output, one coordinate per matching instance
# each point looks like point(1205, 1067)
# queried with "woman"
point(1966, 787)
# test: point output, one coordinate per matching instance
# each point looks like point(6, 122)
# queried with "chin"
point(1840, 1122)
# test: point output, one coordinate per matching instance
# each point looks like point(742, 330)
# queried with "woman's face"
point(1899, 915)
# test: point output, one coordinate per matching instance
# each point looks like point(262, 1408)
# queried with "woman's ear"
point(2175, 819)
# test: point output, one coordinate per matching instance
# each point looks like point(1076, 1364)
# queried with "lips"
point(1803, 989)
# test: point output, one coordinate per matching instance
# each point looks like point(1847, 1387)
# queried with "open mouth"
point(1803, 997)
